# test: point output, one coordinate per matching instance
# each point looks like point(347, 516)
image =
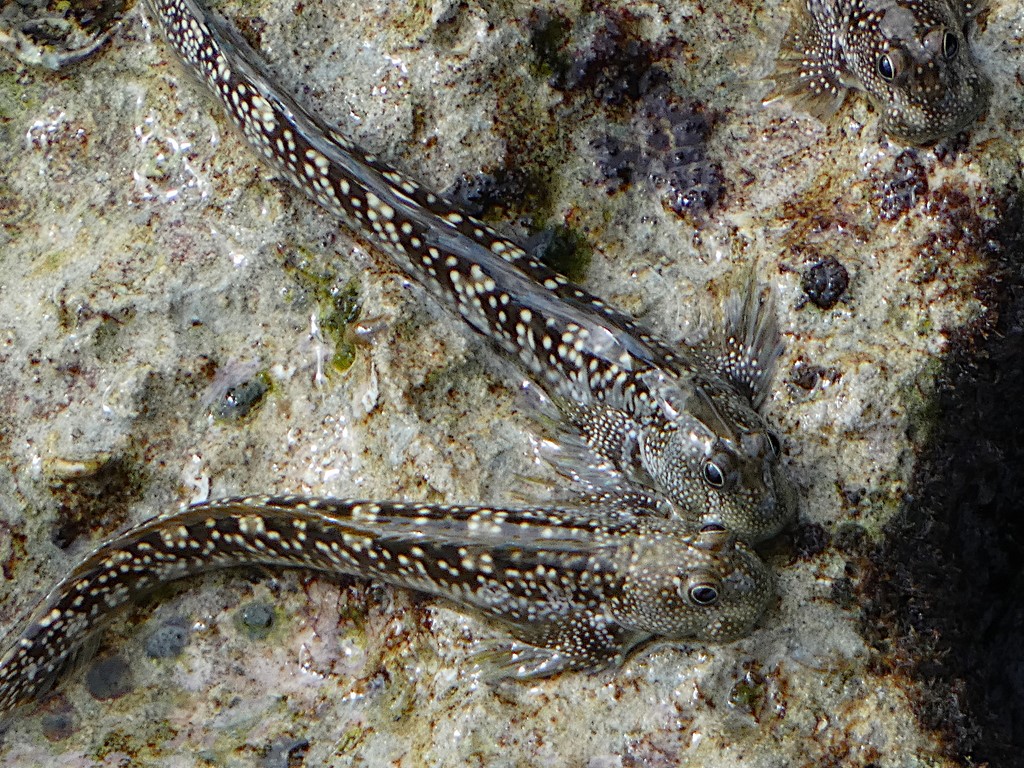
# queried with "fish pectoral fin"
point(597, 449)
point(582, 642)
point(499, 661)
point(805, 72)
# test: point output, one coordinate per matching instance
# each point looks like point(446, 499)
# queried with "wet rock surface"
point(151, 264)
point(945, 604)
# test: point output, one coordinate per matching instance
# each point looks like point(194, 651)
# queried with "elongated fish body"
point(911, 57)
point(578, 590)
point(684, 425)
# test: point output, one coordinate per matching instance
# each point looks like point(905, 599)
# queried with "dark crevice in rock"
point(945, 595)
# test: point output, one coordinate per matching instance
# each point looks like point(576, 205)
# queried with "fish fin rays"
point(804, 75)
point(747, 349)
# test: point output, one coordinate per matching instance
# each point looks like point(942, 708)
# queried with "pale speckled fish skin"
point(682, 423)
point(578, 589)
point(911, 57)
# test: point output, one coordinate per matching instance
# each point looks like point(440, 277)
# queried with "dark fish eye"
point(950, 45)
point(885, 67)
point(704, 594)
point(774, 444)
point(713, 474)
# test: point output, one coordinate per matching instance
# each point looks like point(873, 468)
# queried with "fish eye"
point(950, 45)
point(774, 444)
point(704, 593)
point(713, 474)
point(885, 67)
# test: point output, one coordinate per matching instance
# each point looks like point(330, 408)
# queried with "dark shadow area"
point(945, 593)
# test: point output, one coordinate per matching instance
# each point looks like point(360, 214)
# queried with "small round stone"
point(58, 725)
point(256, 619)
point(238, 401)
point(109, 678)
point(825, 282)
point(167, 641)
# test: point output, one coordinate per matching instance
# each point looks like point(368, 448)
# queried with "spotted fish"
point(911, 57)
point(681, 422)
point(577, 590)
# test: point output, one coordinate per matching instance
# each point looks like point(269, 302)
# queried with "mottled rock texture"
point(152, 270)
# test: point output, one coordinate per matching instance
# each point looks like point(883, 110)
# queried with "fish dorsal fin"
point(747, 349)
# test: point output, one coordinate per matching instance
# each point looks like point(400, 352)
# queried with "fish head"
point(719, 464)
point(913, 59)
point(701, 584)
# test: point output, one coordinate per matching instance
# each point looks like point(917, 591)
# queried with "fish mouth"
point(926, 124)
point(765, 519)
